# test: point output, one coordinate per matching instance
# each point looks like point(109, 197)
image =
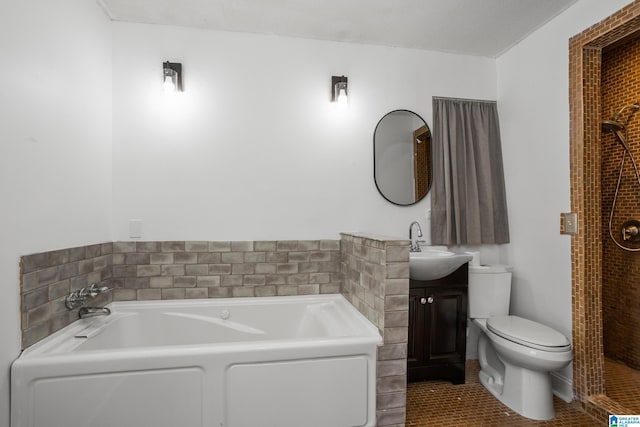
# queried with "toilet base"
point(525, 391)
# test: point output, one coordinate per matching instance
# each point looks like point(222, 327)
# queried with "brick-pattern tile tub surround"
point(182, 269)
point(47, 277)
point(376, 281)
point(371, 271)
point(171, 270)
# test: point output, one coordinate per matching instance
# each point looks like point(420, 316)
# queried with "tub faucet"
point(77, 298)
point(415, 247)
point(86, 312)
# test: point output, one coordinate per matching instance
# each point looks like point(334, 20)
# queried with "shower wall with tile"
point(620, 87)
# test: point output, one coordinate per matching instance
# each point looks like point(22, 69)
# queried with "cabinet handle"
point(426, 300)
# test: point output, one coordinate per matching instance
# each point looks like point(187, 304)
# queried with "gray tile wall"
point(376, 281)
point(47, 277)
point(184, 269)
point(171, 270)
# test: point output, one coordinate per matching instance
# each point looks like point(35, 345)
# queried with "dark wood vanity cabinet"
point(437, 328)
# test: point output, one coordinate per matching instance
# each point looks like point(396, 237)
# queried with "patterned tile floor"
point(622, 384)
point(437, 403)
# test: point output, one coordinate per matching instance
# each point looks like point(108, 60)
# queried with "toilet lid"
point(528, 333)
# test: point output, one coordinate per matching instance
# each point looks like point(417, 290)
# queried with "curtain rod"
point(465, 99)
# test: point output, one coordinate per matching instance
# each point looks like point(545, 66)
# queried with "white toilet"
point(516, 355)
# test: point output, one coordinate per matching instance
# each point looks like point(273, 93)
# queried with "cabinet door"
point(417, 332)
point(446, 315)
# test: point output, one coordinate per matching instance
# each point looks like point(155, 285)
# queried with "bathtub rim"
point(42, 349)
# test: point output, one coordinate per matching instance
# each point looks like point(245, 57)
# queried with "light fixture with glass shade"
point(172, 77)
point(339, 88)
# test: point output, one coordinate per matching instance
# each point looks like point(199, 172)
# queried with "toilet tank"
point(489, 291)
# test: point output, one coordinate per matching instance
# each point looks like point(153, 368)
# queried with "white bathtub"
point(242, 362)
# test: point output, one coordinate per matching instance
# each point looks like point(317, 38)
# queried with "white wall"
point(253, 149)
point(55, 151)
point(534, 119)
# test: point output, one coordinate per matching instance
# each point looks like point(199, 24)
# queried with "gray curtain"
point(468, 200)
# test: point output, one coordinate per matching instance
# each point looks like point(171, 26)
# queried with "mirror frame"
point(429, 172)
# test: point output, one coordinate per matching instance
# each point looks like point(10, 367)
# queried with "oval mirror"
point(402, 157)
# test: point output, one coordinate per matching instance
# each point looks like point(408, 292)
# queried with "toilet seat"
point(528, 333)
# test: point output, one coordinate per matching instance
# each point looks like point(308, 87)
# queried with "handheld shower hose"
point(619, 129)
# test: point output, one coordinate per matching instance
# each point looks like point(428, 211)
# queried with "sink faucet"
point(415, 247)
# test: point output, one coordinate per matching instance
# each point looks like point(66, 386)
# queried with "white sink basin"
point(431, 264)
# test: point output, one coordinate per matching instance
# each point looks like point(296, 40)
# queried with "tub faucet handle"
point(77, 298)
point(95, 289)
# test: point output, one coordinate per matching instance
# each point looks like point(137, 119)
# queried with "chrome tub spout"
point(86, 312)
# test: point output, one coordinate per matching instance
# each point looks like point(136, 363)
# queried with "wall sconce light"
point(339, 89)
point(172, 81)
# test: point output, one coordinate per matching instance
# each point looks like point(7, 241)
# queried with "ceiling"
point(469, 27)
